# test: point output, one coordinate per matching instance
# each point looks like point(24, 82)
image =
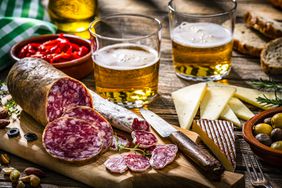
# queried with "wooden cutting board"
point(181, 173)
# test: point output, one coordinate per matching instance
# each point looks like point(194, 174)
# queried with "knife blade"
point(211, 166)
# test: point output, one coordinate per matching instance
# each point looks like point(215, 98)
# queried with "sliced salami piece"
point(116, 164)
point(140, 125)
point(119, 117)
point(119, 140)
point(71, 139)
point(96, 119)
point(43, 91)
point(136, 162)
point(163, 155)
point(144, 139)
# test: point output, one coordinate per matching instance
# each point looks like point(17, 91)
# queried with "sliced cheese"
point(241, 110)
point(229, 115)
point(218, 136)
point(215, 101)
point(187, 101)
point(249, 95)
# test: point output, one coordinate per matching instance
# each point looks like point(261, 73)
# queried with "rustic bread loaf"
point(247, 41)
point(268, 27)
point(276, 3)
point(271, 57)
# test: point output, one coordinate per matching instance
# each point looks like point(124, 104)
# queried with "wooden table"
point(244, 68)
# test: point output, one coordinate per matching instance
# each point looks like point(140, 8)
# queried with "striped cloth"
point(20, 19)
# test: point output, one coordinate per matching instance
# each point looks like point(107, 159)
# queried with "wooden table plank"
point(244, 68)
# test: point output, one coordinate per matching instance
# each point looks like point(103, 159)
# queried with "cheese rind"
point(214, 101)
point(240, 109)
point(229, 115)
point(218, 136)
point(187, 101)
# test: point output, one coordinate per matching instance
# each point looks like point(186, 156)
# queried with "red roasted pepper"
point(54, 51)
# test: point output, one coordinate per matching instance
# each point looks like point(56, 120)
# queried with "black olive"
point(30, 137)
point(13, 132)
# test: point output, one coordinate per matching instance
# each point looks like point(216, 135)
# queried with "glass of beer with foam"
point(201, 33)
point(126, 56)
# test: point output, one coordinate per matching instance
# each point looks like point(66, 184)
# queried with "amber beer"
point(201, 51)
point(126, 74)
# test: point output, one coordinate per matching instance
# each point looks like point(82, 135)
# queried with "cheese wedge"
point(215, 101)
point(187, 101)
point(241, 110)
point(229, 115)
point(249, 95)
point(219, 137)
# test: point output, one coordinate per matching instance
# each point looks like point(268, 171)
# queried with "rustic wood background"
point(244, 69)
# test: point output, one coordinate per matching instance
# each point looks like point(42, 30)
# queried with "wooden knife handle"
point(211, 166)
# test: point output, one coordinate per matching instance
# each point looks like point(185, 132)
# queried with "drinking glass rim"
point(124, 15)
point(170, 6)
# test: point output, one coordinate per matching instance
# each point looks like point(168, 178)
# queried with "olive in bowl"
point(264, 140)
point(69, 53)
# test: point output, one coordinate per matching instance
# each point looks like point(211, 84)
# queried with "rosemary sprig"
point(269, 85)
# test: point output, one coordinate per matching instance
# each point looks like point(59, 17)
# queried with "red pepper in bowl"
point(54, 51)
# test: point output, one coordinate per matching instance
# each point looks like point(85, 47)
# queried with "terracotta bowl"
point(267, 154)
point(78, 68)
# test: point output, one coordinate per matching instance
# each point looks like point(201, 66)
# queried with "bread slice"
point(271, 57)
point(277, 3)
point(248, 41)
point(268, 27)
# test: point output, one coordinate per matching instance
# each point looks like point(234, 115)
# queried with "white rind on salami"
point(116, 164)
point(119, 140)
point(119, 117)
point(163, 155)
point(136, 162)
point(144, 139)
point(97, 120)
point(71, 139)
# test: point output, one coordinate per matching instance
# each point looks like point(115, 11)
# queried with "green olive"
point(276, 134)
point(277, 145)
point(14, 176)
point(276, 120)
point(263, 128)
point(264, 139)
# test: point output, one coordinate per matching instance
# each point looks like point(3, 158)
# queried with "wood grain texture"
point(244, 68)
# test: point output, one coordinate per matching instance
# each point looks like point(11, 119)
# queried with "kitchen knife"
point(211, 166)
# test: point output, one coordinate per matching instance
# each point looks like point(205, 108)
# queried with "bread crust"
point(271, 57)
point(248, 41)
point(266, 26)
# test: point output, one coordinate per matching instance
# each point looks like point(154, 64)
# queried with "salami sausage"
point(97, 120)
point(136, 162)
point(163, 155)
point(71, 139)
point(144, 139)
point(119, 140)
point(116, 164)
point(43, 91)
point(119, 117)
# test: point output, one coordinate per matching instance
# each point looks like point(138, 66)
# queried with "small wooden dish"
point(78, 68)
point(267, 154)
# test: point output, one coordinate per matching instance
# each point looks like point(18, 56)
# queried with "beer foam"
point(125, 56)
point(201, 35)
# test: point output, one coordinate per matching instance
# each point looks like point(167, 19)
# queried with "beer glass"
point(73, 16)
point(126, 56)
point(201, 33)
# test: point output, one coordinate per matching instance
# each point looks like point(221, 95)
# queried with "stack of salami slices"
point(74, 130)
